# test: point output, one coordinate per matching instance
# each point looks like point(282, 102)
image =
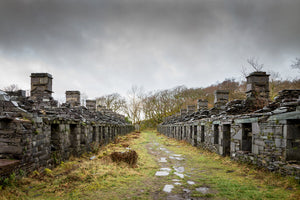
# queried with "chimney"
point(41, 86)
point(258, 85)
point(91, 105)
point(183, 112)
point(221, 98)
point(202, 104)
point(73, 98)
point(191, 109)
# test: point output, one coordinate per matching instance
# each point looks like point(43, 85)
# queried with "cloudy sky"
point(100, 47)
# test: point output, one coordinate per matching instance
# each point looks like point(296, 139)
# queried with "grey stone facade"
point(268, 137)
point(35, 133)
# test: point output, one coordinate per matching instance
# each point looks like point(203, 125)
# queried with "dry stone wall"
point(267, 136)
point(35, 133)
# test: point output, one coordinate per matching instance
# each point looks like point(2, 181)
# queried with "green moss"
point(48, 171)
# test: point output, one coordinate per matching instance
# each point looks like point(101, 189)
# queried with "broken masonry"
point(253, 130)
point(36, 133)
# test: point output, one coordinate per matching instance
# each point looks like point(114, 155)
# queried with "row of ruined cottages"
point(254, 130)
point(36, 133)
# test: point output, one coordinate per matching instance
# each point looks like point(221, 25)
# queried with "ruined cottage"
point(36, 133)
point(252, 130)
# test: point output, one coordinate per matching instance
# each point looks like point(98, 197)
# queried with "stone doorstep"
point(6, 165)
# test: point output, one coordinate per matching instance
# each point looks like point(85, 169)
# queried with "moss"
point(35, 173)
point(48, 172)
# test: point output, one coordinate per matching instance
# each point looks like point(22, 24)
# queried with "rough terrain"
point(166, 169)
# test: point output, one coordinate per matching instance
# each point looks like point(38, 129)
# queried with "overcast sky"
point(102, 47)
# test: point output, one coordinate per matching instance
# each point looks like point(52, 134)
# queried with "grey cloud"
point(157, 43)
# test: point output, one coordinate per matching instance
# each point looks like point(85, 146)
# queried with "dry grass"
point(129, 157)
point(82, 178)
point(234, 180)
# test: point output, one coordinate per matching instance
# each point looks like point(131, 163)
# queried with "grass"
point(82, 178)
point(233, 180)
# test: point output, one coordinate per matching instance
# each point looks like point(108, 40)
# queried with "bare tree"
point(253, 62)
point(134, 104)
point(114, 101)
point(296, 64)
point(11, 88)
point(244, 72)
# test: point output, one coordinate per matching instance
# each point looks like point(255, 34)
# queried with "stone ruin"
point(73, 98)
point(36, 133)
point(202, 104)
point(252, 130)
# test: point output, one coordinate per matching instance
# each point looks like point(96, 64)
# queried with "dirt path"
point(175, 176)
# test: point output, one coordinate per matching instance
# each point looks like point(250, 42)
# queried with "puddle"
point(162, 159)
point(161, 173)
point(178, 174)
point(203, 190)
point(168, 188)
point(179, 169)
point(191, 182)
point(165, 169)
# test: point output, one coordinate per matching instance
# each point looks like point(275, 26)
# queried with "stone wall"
point(33, 137)
point(40, 143)
point(269, 143)
point(267, 135)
